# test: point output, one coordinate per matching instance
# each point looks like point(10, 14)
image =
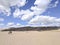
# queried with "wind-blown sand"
point(30, 38)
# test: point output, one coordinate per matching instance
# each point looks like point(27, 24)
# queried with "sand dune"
point(30, 38)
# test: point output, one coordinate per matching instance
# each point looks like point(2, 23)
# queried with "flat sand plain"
point(30, 38)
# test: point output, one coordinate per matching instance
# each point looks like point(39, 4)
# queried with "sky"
point(19, 13)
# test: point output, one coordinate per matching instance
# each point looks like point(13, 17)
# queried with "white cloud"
point(1, 24)
point(1, 19)
point(42, 3)
point(12, 24)
point(8, 3)
point(18, 24)
point(5, 5)
point(23, 14)
point(39, 8)
point(19, 3)
point(17, 13)
point(27, 15)
point(54, 5)
point(4, 10)
point(44, 20)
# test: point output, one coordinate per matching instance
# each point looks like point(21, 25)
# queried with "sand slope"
point(30, 38)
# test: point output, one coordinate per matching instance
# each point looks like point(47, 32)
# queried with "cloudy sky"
point(17, 13)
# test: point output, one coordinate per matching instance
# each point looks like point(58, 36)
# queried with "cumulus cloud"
point(42, 3)
point(39, 8)
point(1, 24)
point(27, 15)
point(19, 3)
point(17, 13)
point(1, 19)
point(45, 20)
point(54, 5)
point(18, 24)
point(23, 14)
point(5, 5)
point(12, 24)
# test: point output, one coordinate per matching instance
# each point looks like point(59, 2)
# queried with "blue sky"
point(29, 13)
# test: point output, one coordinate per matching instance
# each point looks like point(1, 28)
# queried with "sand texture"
point(30, 38)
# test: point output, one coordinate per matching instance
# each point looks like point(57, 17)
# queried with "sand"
point(30, 38)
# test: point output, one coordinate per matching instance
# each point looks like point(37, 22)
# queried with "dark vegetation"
point(32, 29)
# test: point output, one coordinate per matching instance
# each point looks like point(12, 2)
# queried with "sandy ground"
point(30, 38)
